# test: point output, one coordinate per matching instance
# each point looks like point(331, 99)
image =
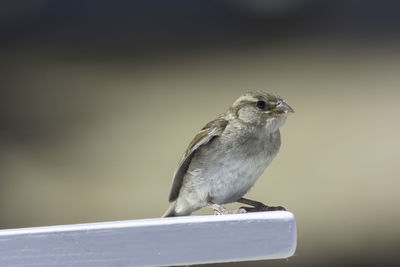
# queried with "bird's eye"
point(260, 104)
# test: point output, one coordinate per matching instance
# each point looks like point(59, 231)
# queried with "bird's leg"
point(218, 209)
point(257, 206)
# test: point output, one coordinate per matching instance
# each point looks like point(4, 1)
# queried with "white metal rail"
point(160, 241)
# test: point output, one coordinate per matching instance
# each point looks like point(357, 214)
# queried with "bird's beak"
point(282, 107)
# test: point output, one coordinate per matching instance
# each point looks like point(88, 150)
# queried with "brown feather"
point(206, 135)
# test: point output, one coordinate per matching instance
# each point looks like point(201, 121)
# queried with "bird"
point(228, 155)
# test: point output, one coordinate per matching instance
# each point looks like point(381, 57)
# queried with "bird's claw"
point(262, 208)
point(223, 211)
point(241, 210)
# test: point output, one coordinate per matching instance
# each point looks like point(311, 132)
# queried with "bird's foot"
point(226, 211)
point(239, 211)
point(257, 206)
point(220, 210)
point(262, 208)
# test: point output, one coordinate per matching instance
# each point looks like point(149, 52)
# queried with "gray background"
point(98, 101)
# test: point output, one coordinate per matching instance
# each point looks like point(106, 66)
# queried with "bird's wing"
point(206, 135)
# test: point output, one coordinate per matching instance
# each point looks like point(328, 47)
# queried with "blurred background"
point(99, 99)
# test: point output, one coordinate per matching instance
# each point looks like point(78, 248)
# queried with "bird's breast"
point(229, 168)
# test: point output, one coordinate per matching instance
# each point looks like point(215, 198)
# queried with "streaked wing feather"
point(206, 135)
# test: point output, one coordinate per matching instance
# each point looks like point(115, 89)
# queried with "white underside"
point(224, 175)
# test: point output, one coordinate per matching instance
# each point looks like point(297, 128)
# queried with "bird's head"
point(261, 109)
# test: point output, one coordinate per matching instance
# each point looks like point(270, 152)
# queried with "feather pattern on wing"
point(206, 135)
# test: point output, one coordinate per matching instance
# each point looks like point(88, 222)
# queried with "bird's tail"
point(170, 211)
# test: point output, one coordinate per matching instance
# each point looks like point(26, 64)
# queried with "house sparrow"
point(227, 156)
